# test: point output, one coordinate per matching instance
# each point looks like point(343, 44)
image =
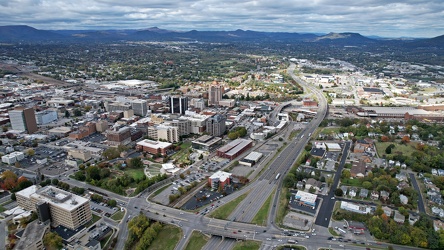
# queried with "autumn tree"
point(52, 241)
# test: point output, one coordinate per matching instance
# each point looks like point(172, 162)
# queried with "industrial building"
point(306, 199)
point(251, 159)
point(234, 148)
point(56, 205)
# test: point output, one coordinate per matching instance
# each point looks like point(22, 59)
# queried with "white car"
point(333, 198)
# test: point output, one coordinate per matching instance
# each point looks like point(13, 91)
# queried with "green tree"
point(52, 241)
point(67, 114)
point(112, 203)
point(367, 185)
point(339, 192)
point(55, 182)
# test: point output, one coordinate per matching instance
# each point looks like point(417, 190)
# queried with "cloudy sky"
point(389, 18)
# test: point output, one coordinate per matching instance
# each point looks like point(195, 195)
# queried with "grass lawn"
point(405, 149)
point(118, 215)
point(247, 245)
point(167, 239)
point(292, 247)
point(282, 206)
point(332, 232)
point(137, 174)
point(330, 131)
point(352, 182)
point(261, 217)
point(197, 241)
point(182, 155)
point(224, 211)
point(95, 218)
point(293, 134)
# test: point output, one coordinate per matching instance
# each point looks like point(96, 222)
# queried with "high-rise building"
point(178, 104)
point(23, 119)
point(65, 209)
point(140, 107)
point(215, 94)
point(46, 116)
point(216, 125)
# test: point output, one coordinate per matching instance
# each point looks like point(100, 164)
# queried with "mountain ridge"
point(24, 33)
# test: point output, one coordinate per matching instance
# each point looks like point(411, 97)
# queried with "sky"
point(386, 18)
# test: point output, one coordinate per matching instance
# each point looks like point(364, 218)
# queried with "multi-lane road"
point(238, 227)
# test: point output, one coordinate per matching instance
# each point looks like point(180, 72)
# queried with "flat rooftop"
point(34, 232)
point(306, 197)
point(59, 197)
point(27, 192)
point(154, 144)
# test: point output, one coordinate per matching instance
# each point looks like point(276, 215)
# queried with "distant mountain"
point(437, 42)
point(19, 33)
point(22, 33)
point(344, 39)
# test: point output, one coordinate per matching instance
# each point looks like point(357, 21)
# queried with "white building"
point(13, 157)
point(45, 117)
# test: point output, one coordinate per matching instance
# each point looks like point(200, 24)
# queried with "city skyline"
point(380, 18)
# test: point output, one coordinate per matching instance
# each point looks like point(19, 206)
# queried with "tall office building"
point(178, 104)
point(23, 119)
point(61, 207)
point(216, 125)
point(215, 94)
point(140, 107)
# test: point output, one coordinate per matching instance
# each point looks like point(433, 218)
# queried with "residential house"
point(363, 193)
point(353, 191)
point(358, 169)
point(300, 185)
point(402, 177)
point(438, 225)
point(404, 199)
point(374, 195)
point(384, 195)
point(359, 148)
point(402, 185)
point(312, 183)
point(398, 218)
point(387, 211)
point(344, 189)
point(413, 218)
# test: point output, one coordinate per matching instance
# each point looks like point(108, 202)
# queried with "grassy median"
point(196, 241)
point(261, 217)
point(247, 245)
point(282, 206)
point(224, 211)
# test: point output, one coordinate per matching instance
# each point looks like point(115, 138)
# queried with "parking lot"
point(206, 196)
point(163, 197)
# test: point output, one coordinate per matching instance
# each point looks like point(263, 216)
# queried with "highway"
point(239, 226)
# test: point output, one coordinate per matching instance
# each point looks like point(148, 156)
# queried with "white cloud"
point(369, 17)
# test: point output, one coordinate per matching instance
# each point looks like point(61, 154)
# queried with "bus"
point(291, 241)
point(278, 175)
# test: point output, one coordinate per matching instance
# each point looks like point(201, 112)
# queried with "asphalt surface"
point(421, 207)
point(326, 209)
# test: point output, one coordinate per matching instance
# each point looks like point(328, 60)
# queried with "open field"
point(167, 239)
point(405, 149)
point(196, 241)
